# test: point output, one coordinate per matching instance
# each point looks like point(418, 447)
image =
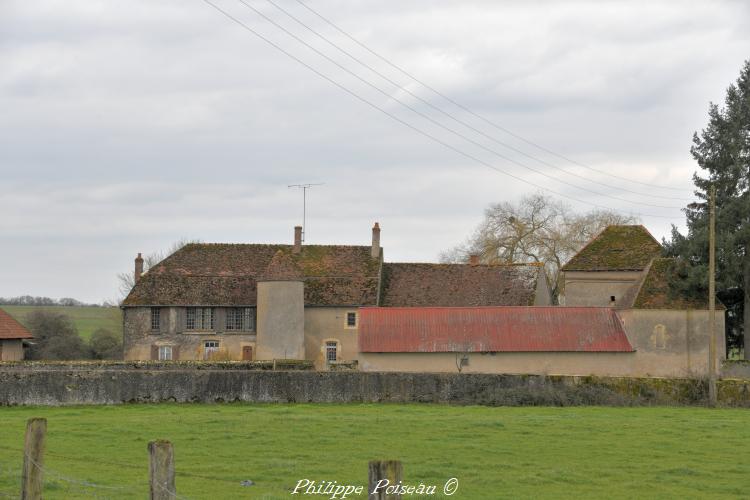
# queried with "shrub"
point(105, 344)
point(55, 337)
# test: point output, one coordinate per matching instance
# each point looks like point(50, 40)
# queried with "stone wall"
point(113, 386)
point(139, 339)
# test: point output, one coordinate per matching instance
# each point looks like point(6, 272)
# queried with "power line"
point(444, 127)
point(406, 124)
point(458, 120)
point(476, 115)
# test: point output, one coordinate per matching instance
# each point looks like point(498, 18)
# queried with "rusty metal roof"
point(12, 329)
point(491, 329)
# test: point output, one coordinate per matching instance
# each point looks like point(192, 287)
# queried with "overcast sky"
point(125, 126)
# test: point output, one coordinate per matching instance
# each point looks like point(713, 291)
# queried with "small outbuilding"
point(12, 336)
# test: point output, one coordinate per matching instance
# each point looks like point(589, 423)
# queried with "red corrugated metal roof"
point(491, 329)
point(12, 329)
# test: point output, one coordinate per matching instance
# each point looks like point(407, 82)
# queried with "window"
point(241, 319)
point(331, 349)
point(209, 348)
point(199, 318)
point(165, 353)
point(351, 320)
point(156, 318)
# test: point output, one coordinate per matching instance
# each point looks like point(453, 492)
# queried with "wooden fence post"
point(33, 459)
point(161, 470)
point(382, 473)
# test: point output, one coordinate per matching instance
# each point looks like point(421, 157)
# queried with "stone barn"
point(620, 319)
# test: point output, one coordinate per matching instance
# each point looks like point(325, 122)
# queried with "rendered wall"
point(667, 344)
point(281, 320)
point(543, 295)
point(11, 349)
point(61, 387)
point(324, 324)
point(595, 288)
point(671, 342)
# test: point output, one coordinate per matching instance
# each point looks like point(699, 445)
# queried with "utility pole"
point(712, 298)
point(304, 188)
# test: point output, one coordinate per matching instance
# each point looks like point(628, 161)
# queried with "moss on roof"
point(227, 274)
point(656, 293)
point(459, 285)
point(617, 248)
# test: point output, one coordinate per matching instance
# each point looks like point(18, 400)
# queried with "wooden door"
point(247, 353)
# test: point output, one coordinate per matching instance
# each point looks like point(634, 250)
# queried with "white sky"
point(125, 126)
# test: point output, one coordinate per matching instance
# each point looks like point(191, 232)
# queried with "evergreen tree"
point(722, 151)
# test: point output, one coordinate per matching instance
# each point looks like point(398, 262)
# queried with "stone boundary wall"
point(115, 386)
point(279, 364)
point(735, 369)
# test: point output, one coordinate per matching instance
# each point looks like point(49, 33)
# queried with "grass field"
point(494, 452)
point(86, 319)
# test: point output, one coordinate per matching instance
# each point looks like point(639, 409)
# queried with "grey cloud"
point(128, 125)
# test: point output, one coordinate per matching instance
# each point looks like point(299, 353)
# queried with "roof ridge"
point(498, 264)
point(641, 281)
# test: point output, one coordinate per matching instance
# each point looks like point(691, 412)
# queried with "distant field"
point(86, 319)
point(493, 452)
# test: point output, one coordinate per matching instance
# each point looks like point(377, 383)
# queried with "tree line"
point(28, 300)
point(56, 338)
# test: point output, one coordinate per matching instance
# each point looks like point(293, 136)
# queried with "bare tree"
point(537, 229)
point(127, 280)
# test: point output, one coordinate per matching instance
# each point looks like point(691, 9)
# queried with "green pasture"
point(589, 452)
point(86, 319)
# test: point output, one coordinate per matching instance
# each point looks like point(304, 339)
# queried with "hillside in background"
point(86, 319)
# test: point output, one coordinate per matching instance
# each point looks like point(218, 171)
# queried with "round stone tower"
point(281, 310)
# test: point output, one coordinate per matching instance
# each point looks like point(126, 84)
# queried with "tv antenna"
point(304, 188)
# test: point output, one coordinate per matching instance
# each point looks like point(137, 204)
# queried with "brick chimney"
point(375, 252)
point(138, 267)
point(297, 239)
point(473, 259)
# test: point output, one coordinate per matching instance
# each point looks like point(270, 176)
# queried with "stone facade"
point(141, 342)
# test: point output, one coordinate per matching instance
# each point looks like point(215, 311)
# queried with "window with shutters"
point(155, 319)
point(199, 318)
point(240, 319)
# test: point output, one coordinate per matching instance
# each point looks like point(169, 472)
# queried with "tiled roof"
point(654, 291)
point(491, 329)
point(12, 329)
point(616, 248)
point(227, 274)
point(459, 285)
point(282, 268)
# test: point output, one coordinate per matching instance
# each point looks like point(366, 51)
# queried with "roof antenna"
point(304, 188)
